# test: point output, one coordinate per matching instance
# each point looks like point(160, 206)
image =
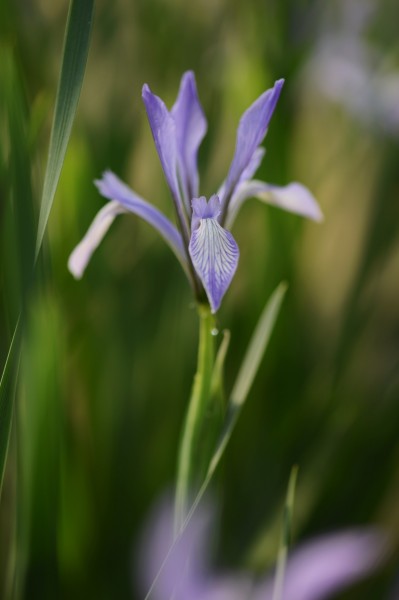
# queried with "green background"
point(107, 362)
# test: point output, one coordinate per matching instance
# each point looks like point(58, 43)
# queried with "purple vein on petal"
point(213, 250)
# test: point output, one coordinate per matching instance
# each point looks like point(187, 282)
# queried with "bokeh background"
point(107, 362)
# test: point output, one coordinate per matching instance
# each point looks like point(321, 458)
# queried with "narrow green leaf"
point(7, 392)
point(19, 235)
point(247, 373)
point(76, 47)
point(257, 347)
point(39, 435)
point(20, 205)
point(286, 535)
point(241, 388)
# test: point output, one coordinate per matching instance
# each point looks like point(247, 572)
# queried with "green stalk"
point(199, 433)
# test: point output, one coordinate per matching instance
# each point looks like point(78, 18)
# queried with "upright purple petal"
point(250, 133)
point(253, 164)
point(204, 210)
point(191, 126)
point(164, 133)
point(123, 200)
point(213, 250)
point(248, 173)
point(294, 197)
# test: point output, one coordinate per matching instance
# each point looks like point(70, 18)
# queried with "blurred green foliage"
point(107, 362)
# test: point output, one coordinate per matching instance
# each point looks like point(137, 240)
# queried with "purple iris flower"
point(201, 241)
point(316, 570)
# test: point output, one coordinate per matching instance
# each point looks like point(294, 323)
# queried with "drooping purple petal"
point(294, 197)
point(81, 255)
point(250, 133)
point(123, 200)
point(191, 126)
point(213, 250)
point(327, 565)
point(164, 133)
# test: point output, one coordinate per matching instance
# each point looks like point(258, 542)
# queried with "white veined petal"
point(215, 255)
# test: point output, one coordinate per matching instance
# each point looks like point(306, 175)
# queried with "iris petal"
point(250, 133)
point(123, 200)
point(191, 126)
point(164, 133)
point(81, 255)
point(294, 197)
point(215, 254)
point(249, 172)
point(111, 187)
point(253, 164)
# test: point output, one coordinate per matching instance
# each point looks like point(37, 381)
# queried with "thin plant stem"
point(195, 451)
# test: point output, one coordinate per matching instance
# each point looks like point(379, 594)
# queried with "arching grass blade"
point(76, 47)
point(7, 392)
point(286, 535)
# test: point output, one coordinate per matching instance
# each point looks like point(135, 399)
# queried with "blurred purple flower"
point(203, 245)
point(348, 68)
point(314, 571)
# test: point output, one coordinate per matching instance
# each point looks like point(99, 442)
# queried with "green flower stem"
point(198, 435)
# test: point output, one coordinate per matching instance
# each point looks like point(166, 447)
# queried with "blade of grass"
point(241, 388)
point(37, 425)
point(286, 535)
point(76, 48)
point(18, 269)
point(7, 392)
